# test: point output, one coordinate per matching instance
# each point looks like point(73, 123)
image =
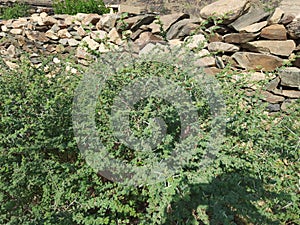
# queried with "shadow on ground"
point(228, 199)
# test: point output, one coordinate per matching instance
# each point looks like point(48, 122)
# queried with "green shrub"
point(45, 180)
point(73, 7)
point(15, 11)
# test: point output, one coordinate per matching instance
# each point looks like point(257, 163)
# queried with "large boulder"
point(257, 61)
point(231, 8)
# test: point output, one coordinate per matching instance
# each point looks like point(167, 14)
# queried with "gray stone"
point(196, 41)
point(294, 29)
point(273, 107)
point(257, 61)
point(273, 84)
point(255, 14)
point(142, 20)
point(179, 29)
point(290, 77)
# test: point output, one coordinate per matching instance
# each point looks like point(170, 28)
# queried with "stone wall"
point(248, 39)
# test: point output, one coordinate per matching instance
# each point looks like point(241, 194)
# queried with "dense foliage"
point(14, 11)
point(73, 7)
point(45, 180)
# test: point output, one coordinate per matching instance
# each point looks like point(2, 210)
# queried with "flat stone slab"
point(281, 48)
point(257, 61)
point(255, 14)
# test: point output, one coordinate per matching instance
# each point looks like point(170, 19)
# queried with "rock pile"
point(228, 32)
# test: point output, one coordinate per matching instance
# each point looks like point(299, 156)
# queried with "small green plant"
point(163, 32)
point(73, 7)
point(15, 11)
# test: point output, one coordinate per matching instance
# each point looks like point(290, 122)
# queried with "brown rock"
point(222, 47)
point(147, 37)
point(36, 36)
point(64, 33)
point(98, 35)
point(50, 34)
point(90, 19)
point(107, 22)
point(168, 20)
point(285, 106)
point(253, 28)
point(11, 65)
point(281, 48)
point(114, 36)
point(155, 28)
point(93, 45)
point(142, 20)
point(204, 59)
point(238, 38)
point(20, 23)
point(72, 42)
point(49, 21)
point(82, 54)
point(274, 32)
point(232, 8)
point(255, 14)
point(286, 19)
point(287, 93)
point(4, 28)
point(11, 51)
point(16, 31)
point(81, 31)
point(257, 61)
point(276, 16)
point(271, 98)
